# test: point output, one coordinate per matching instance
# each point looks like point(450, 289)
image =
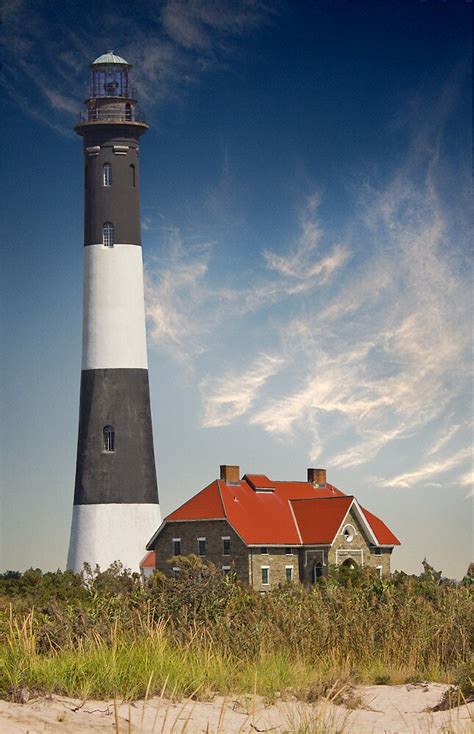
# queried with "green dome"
point(109, 58)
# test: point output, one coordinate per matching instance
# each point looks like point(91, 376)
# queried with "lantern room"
point(111, 97)
point(110, 77)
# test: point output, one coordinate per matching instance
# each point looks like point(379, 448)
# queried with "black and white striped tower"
point(116, 506)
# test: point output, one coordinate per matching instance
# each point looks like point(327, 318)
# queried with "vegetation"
point(107, 634)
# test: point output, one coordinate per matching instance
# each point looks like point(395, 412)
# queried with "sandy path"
point(384, 710)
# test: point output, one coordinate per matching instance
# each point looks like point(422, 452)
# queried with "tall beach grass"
point(109, 635)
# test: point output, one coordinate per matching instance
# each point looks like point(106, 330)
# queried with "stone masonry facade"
point(264, 567)
point(213, 531)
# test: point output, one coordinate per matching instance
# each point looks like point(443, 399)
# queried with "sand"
point(381, 710)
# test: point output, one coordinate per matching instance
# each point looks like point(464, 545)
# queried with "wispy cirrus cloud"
point(230, 396)
point(430, 469)
point(171, 44)
point(185, 304)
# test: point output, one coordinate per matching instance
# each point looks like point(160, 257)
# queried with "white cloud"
point(171, 45)
point(428, 470)
point(228, 397)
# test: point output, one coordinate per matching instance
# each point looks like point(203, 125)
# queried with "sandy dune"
point(382, 710)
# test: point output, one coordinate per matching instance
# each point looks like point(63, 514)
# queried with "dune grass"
point(201, 634)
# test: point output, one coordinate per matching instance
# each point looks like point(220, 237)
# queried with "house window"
point(109, 438)
point(226, 546)
point(176, 546)
point(289, 573)
point(348, 533)
point(108, 236)
point(317, 571)
point(379, 570)
point(132, 176)
point(265, 575)
point(378, 551)
point(226, 570)
point(107, 174)
point(176, 571)
point(202, 546)
point(289, 551)
point(264, 550)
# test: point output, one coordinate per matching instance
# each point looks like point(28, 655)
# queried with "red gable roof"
point(383, 534)
point(205, 505)
point(148, 561)
point(282, 513)
point(320, 519)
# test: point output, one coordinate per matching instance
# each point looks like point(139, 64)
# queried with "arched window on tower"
point(107, 176)
point(108, 234)
point(109, 438)
point(132, 176)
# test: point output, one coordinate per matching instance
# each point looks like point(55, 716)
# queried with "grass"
point(200, 634)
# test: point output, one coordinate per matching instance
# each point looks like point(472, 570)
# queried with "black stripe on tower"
point(121, 470)
point(119, 202)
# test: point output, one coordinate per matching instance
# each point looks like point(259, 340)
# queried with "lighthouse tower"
point(116, 506)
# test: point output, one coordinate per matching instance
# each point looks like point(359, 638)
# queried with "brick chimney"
point(317, 477)
point(230, 474)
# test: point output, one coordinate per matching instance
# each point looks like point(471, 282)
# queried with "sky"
point(306, 210)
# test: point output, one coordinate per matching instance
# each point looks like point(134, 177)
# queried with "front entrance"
point(349, 563)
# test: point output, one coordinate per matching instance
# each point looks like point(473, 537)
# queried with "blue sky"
point(305, 218)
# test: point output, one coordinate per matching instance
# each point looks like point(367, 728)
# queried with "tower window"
point(108, 235)
point(109, 438)
point(132, 176)
point(107, 176)
point(128, 111)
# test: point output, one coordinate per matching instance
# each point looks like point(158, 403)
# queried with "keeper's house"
point(270, 532)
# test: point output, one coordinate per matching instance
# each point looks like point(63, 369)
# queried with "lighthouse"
point(116, 506)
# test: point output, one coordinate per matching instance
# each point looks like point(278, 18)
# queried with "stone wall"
point(358, 549)
point(213, 531)
point(277, 559)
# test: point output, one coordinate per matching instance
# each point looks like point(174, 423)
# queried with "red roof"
point(263, 512)
point(320, 519)
point(148, 561)
point(383, 534)
point(205, 505)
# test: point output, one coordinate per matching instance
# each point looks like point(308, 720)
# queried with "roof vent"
point(230, 474)
point(317, 477)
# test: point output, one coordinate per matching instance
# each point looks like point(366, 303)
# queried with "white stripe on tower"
point(97, 529)
point(113, 333)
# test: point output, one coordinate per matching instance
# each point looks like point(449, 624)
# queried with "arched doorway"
point(349, 563)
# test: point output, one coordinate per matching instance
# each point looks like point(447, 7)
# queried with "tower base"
point(102, 534)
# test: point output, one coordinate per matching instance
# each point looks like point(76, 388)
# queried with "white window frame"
point(224, 538)
point(292, 569)
point(202, 540)
point(226, 570)
point(108, 437)
point(289, 551)
point(176, 571)
point(267, 569)
point(380, 570)
point(107, 174)
point(176, 540)
point(264, 550)
point(351, 530)
point(108, 234)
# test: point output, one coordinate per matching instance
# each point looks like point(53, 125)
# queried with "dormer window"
point(107, 174)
